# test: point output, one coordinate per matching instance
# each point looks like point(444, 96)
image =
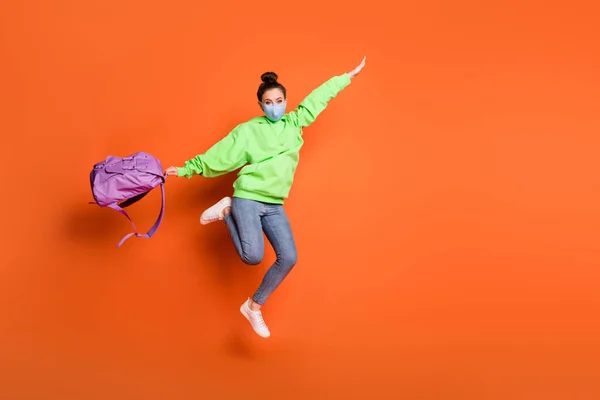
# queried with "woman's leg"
point(245, 229)
point(246, 220)
point(279, 232)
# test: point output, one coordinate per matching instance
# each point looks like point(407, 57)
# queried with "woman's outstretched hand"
point(357, 70)
point(171, 171)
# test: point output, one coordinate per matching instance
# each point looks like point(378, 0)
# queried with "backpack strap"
point(154, 227)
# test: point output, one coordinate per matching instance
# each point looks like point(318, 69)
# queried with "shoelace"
point(259, 319)
point(261, 322)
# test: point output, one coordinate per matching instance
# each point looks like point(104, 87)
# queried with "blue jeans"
point(246, 222)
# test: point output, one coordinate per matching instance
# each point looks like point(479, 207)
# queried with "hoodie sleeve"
point(225, 156)
point(313, 104)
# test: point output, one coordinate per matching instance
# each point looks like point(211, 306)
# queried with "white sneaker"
point(256, 320)
point(215, 212)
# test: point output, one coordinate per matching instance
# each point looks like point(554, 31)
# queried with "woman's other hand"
point(357, 70)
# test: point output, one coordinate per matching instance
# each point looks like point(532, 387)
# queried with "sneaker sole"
point(207, 221)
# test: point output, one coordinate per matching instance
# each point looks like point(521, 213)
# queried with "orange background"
point(445, 207)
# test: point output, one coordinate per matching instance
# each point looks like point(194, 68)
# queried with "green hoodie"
point(268, 151)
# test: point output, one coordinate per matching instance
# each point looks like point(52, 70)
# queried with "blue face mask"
point(274, 111)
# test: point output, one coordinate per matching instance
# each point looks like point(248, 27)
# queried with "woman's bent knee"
point(252, 258)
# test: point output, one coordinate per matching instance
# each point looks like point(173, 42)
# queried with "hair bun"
point(269, 77)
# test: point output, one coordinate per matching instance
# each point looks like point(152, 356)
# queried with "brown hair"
point(269, 81)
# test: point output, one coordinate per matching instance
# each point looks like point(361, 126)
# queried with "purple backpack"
point(120, 182)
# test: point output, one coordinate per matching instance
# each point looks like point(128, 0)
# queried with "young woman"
point(267, 147)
